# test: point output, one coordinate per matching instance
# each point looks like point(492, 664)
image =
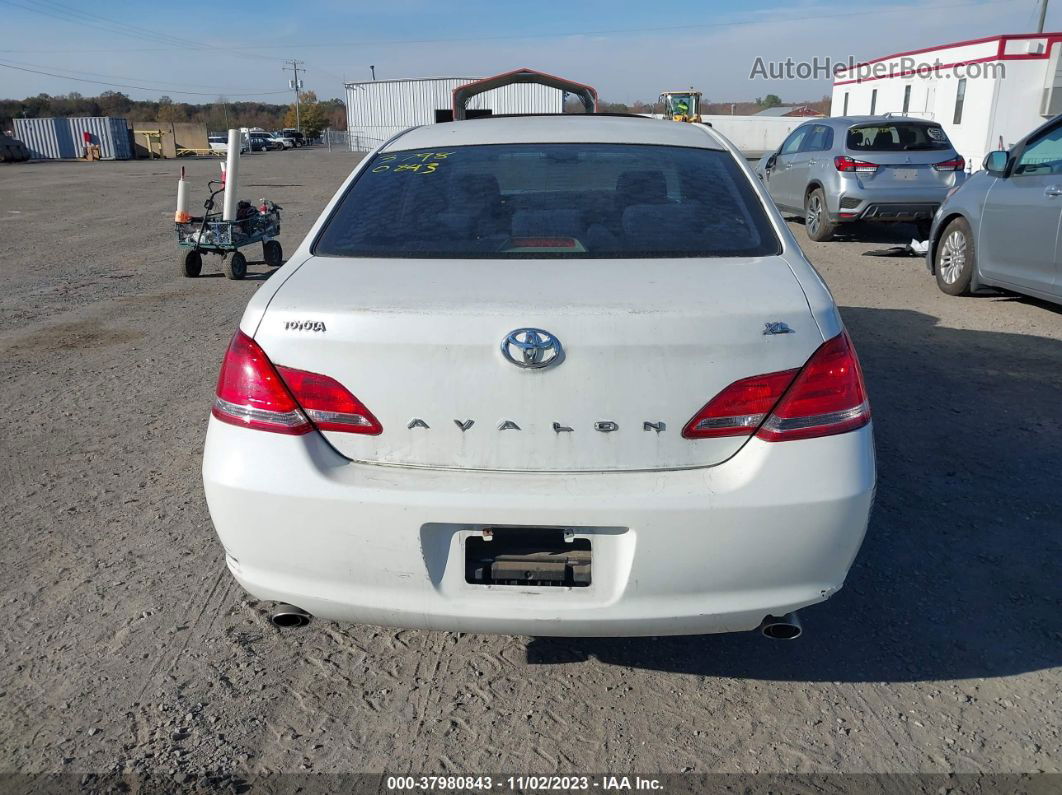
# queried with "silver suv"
point(863, 168)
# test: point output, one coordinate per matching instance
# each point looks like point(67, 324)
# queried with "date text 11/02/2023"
point(605, 783)
point(415, 163)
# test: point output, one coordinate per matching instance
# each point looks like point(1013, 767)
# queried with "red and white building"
point(984, 92)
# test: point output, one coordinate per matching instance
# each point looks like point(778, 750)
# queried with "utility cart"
point(213, 235)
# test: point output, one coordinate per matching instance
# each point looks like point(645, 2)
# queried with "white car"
point(283, 140)
point(559, 375)
point(220, 143)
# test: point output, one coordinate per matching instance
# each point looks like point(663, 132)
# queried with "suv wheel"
point(955, 258)
point(817, 217)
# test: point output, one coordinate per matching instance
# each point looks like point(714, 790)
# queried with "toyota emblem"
point(532, 348)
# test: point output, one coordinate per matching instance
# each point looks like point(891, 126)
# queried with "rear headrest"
point(882, 139)
point(547, 223)
point(641, 187)
point(476, 189)
point(663, 226)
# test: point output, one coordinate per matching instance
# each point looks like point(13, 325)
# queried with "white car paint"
point(221, 145)
point(688, 535)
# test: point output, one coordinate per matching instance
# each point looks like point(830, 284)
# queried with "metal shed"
point(46, 139)
point(379, 109)
point(110, 134)
point(63, 139)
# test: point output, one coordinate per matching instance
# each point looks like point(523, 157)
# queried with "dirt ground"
point(128, 647)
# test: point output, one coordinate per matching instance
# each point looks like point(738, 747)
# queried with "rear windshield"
point(549, 200)
point(897, 137)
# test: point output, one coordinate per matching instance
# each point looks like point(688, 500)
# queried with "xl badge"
point(532, 348)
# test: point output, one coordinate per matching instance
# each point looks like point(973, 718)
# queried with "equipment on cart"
point(212, 234)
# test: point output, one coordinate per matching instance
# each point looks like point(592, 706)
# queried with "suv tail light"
point(825, 397)
point(253, 393)
point(845, 163)
point(955, 164)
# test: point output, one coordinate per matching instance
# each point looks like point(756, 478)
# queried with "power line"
point(88, 17)
point(64, 13)
point(907, 9)
point(138, 88)
point(67, 17)
point(162, 85)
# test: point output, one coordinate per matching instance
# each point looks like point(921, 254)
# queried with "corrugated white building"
point(982, 91)
point(378, 109)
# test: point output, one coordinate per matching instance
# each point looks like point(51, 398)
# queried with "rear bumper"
point(879, 211)
point(858, 202)
point(774, 529)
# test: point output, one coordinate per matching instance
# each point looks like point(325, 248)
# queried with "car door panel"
point(1018, 241)
point(802, 162)
point(781, 182)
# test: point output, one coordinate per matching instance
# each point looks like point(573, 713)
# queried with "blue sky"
point(627, 50)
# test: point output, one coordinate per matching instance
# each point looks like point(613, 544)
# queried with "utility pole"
point(1043, 16)
point(294, 66)
point(373, 70)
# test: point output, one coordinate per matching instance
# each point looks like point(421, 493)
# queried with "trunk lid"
point(645, 341)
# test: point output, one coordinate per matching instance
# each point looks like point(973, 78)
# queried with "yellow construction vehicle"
point(682, 105)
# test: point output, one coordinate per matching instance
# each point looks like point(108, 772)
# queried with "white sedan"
point(560, 375)
point(220, 144)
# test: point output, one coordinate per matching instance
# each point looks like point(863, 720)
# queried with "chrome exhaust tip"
point(289, 616)
point(787, 627)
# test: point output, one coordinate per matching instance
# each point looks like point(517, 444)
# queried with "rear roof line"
point(580, 115)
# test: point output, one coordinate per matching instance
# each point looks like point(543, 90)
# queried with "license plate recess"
point(519, 556)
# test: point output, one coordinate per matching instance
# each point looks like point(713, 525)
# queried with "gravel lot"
point(128, 647)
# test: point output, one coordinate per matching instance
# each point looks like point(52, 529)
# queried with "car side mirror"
point(996, 163)
point(771, 161)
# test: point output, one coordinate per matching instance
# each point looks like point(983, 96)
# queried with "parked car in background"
point(284, 141)
point(863, 168)
point(220, 143)
point(257, 144)
point(263, 142)
point(296, 136)
point(664, 431)
point(1001, 228)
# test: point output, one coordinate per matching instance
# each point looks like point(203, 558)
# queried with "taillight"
point(740, 408)
point(253, 393)
point(955, 164)
point(825, 397)
point(328, 403)
point(844, 163)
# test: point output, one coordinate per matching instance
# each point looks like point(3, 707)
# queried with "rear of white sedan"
point(548, 376)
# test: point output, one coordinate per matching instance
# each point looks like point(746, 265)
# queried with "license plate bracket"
point(518, 556)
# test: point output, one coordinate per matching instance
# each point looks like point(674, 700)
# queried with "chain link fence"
point(351, 140)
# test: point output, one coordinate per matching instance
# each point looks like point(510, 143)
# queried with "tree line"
point(315, 115)
point(220, 114)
